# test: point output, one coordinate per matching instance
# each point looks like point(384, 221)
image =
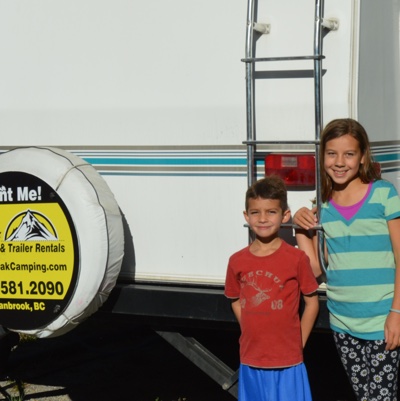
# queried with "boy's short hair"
point(270, 187)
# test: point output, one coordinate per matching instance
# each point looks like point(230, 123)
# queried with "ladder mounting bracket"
point(262, 28)
point(330, 23)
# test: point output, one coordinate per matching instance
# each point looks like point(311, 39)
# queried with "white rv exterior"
point(153, 95)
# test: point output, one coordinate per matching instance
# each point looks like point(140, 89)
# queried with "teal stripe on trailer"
point(387, 157)
point(164, 161)
point(172, 174)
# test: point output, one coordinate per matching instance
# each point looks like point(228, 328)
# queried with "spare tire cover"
point(61, 241)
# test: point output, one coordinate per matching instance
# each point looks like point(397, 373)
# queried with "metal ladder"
point(253, 26)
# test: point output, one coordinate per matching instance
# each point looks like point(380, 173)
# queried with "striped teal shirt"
point(361, 271)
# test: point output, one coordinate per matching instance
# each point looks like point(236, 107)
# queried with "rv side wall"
point(153, 95)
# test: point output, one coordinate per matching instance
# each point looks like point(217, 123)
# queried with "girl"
point(360, 218)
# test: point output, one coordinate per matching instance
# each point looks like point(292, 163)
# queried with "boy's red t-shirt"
point(269, 288)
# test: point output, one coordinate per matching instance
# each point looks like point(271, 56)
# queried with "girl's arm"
point(237, 310)
point(306, 218)
point(309, 315)
point(308, 242)
point(392, 324)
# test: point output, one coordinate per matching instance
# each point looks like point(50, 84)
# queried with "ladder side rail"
point(250, 97)
point(319, 7)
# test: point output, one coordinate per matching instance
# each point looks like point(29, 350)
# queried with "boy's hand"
point(306, 218)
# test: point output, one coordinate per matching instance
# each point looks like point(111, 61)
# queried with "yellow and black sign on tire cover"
point(61, 240)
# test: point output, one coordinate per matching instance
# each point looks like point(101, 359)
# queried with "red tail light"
point(295, 169)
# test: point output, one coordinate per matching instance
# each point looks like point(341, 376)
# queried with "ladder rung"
point(256, 59)
point(301, 142)
point(284, 74)
point(295, 226)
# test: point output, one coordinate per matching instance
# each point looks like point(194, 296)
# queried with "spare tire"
point(61, 240)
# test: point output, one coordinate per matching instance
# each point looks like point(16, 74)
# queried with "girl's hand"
point(392, 331)
point(306, 218)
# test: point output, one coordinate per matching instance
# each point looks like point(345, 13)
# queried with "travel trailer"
point(178, 106)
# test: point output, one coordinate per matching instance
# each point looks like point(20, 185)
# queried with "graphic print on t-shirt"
point(257, 287)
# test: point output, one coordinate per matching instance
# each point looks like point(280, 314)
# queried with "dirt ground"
point(112, 358)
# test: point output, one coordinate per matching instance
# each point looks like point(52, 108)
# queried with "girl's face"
point(342, 159)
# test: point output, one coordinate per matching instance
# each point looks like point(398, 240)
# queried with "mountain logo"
point(30, 226)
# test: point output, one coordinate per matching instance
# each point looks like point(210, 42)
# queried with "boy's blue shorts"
point(285, 384)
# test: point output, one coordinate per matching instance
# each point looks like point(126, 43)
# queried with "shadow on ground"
point(327, 377)
point(114, 358)
point(111, 358)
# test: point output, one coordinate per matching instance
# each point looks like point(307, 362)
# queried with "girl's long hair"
point(335, 129)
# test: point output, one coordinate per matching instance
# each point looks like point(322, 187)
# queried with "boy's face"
point(265, 216)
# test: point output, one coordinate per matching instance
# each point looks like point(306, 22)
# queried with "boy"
point(265, 281)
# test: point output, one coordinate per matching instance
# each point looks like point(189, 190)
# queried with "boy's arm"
point(237, 310)
point(309, 315)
